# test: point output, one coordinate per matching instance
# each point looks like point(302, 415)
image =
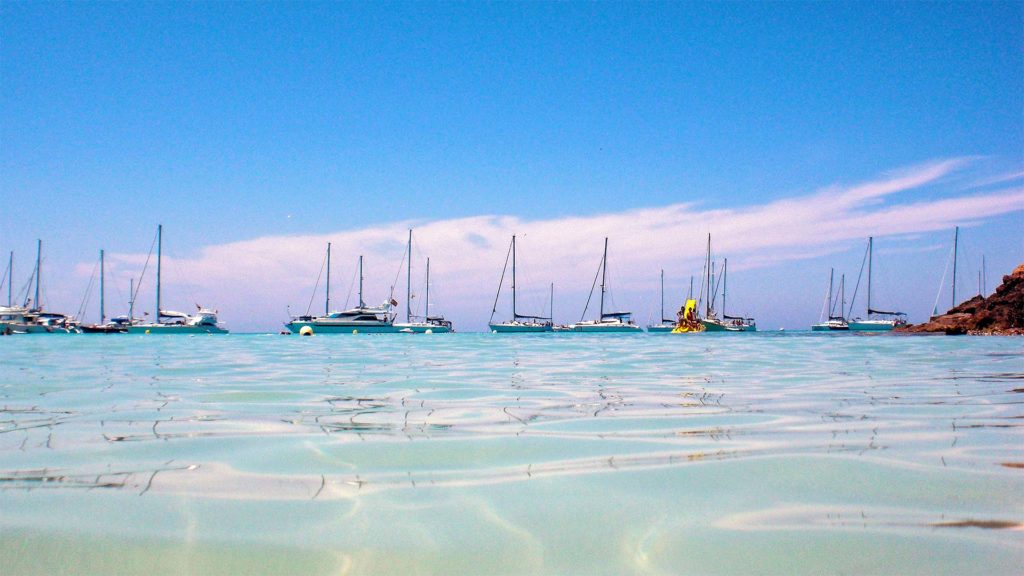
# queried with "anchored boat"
point(204, 321)
point(606, 321)
point(877, 320)
point(519, 323)
point(666, 325)
point(425, 324)
point(834, 323)
point(361, 319)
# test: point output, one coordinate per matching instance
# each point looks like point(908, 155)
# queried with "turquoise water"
point(492, 454)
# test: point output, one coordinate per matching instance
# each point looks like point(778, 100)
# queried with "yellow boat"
point(688, 321)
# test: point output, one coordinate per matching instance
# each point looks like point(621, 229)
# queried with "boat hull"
point(604, 328)
point(830, 328)
point(343, 328)
point(417, 328)
point(517, 328)
point(712, 326)
point(872, 325)
point(174, 329)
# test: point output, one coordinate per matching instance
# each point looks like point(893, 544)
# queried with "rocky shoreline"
point(1002, 313)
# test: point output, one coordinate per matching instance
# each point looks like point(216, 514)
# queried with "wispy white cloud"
point(252, 281)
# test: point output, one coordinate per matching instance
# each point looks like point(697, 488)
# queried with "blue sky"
point(242, 125)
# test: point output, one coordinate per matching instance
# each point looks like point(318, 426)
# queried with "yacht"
point(425, 324)
point(606, 321)
point(877, 320)
point(519, 323)
point(204, 321)
point(361, 319)
point(834, 323)
point(666, 325)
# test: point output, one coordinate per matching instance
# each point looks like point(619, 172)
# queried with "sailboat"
point(892, 320)
point(834, 323)
point(32, 319)
point(519, 322)
point(666, 325)
point(425, 324)
point(606, 321)
point(362, 318)
point(104, 327)
point(204, 321)
point(711, 321)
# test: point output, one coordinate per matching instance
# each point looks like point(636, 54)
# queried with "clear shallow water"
point(481, 453)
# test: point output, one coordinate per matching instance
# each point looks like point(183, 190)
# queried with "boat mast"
point(103, 313)
point(327, 299)
point(707, 266)
point(408, 281)
point(159, 249)
point(982, 275)
point(831, 276)
point(551, 304)
point(956, 239)
point(514, 278)
point(39, 259)
point(426, 303)
point(361, 304)
point(871, 242)
point(662, 295)
point(604, 272)
point(10, 272)
point(690, 295)
point(131, 300)
point(725, 271)
point(842, 292)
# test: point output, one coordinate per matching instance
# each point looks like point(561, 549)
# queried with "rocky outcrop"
point(1000, 313)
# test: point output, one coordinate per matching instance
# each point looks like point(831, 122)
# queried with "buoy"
point(429, 331)
point(494, 331)
point(306, 331)
point(355, 331)
point(147, 330)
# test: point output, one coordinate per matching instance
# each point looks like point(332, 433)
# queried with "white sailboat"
point(520, 323)
point(606, 321)
point(877, 320)
point(833, 323)
point(666, 325)
point(425, 324)
point(204, 321)
point(361, 319)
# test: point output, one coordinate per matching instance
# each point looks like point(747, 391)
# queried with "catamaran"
point(519, 322)
point(889, 321)
point(204, 321)
point(834, 323)
point(361, 319)
point(606, 321)
point(425, 324)
point(666, 325)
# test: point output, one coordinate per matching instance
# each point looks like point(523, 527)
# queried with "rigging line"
point(26, 288)
point(351, 285)
point(857, 286)
point(824, 304)
point(7, 270)
point(88, 292)
point(317, 285)
point(138, 285)
point(500, 283)
point(935, 307)
point(398, 273)
point(591, 295)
